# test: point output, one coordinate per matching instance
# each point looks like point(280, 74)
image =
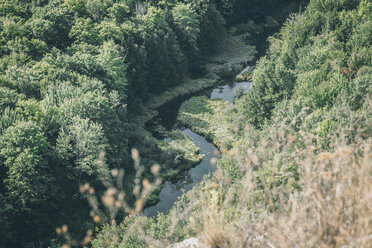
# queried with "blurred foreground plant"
point(106, 207)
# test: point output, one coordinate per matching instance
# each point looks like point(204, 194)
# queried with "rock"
point(188, 243)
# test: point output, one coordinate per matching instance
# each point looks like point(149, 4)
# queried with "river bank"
point(219, 68)
point(182, 152)
point(224, 94)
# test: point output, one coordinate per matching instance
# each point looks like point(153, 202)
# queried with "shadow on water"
point(228, 92)
point(167, 121)
point(167, 117)
point(171, 191)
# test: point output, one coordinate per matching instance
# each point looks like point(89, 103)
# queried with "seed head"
point(155, 169)
point(135, 154)
point(96, 219)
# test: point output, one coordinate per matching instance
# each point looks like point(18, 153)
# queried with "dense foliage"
point(73, 75)
point(320, 57)
point(296, 166)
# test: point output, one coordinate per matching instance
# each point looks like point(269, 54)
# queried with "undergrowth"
point(297, 148)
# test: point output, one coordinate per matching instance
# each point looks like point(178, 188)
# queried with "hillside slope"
point(297, 148)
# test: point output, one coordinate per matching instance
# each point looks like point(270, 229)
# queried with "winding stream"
point(171, 191)
point(167, 118)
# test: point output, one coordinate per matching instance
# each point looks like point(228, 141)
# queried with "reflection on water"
point(245, 69)
point(228, 92)
point(171, 191)
point(167, 119)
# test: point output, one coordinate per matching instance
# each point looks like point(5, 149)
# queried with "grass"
point(275, 188)
point(183, 151)
point(272, 189)
point(303, 177)
point(214, 119)
point(180, 153)
point(223, 65)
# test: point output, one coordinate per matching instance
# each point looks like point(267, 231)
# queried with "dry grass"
point(334, 208)
point(288, 186)
point(329, 206)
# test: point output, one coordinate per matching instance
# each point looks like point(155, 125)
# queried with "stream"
point(167, 119)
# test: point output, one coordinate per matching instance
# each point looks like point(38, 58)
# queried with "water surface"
point(228, 92)
point(167, 120)
point(171, 191)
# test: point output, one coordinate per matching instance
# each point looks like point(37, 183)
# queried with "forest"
point(81, 79)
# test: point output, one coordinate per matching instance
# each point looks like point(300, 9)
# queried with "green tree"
point(12, 8)
point(110, 31)
point(119, 12)
point(226, 6)
point(212, 30)
point(29, 182)
point(78, 6)
point(95, 8)
point(187, 25)
point(8, 98)
point(83, 140)
point(84, 30)
point(30, 110)
point(165, 61)
point(41, 29)
point(112, 62)
point(272, 84)
point(24, 151)
point(97, 108)
point(59, 19)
